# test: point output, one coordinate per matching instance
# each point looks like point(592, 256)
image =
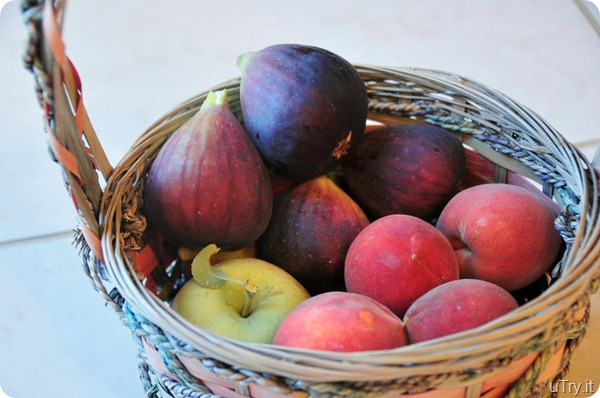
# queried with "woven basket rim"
point(484, 343)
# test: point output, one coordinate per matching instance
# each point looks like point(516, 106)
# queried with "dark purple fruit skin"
point(208, 184)
point(303, 107)
point(310, 232)
point(405, 169)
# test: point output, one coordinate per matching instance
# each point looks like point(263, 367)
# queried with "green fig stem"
point(250, 291)
point(243, 59)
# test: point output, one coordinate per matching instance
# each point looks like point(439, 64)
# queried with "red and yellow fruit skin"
point(501, 233)
point(405, 169)
point(208, 183)
point(303, 107)
point(310, 231)
point(398, 258)
point(455, 307)
point(343, 322)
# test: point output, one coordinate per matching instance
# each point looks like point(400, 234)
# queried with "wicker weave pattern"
point(123, 260)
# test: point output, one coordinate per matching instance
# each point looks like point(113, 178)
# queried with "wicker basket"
point(518, 355)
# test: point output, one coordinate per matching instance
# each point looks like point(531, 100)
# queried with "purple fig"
point(310, 231)
point(208, 183)
point(407, 169)
point(304, 108)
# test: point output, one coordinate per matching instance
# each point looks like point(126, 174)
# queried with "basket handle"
point(72, 140)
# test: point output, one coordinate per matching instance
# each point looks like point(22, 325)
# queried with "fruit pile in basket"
point(302, 227)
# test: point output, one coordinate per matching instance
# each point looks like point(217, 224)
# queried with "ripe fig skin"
point(208, 183)
point(405, 169)
point(311, 229)
point(304, 107)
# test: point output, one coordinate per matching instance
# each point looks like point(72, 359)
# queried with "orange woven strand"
point(53, 34)
point(84, 126)
point(62, 154)
point(92, 240)
point(146, 260)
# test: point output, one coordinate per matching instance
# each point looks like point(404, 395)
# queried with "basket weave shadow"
point(517, 355)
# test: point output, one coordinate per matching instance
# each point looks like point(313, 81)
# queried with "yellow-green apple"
point(501, 233)
point(396, 259)
point(454, 307)
point(341, 321)
point(241, 298)
point(408, 169)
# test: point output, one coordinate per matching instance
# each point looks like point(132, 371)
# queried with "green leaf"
point(203, 272)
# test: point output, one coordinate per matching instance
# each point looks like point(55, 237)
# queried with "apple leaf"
point(203, 272)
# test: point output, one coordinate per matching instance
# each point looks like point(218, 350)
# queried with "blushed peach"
point(341, 321)
point(501, 233)
point(398, 258)
point(454, 307)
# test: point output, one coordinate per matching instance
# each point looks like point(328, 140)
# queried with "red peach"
point(398, 258)
point(341, 321)
point(454, 307)
point(501, 233)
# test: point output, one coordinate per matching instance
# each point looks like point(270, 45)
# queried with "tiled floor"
point(139, 58)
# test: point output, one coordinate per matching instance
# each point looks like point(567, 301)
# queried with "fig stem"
point(242, 59)
point(250, 291)
point(215, 98)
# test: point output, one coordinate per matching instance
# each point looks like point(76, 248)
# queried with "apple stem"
point(250, 290)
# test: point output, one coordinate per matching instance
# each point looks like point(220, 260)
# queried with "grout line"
point(34, 238)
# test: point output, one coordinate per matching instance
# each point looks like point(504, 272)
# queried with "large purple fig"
point(208, 183)
point(310, 231)
point(303, 107)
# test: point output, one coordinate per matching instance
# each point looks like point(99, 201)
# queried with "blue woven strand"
point(155, 336)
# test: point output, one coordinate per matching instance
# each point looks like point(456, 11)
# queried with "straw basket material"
point(517, 355)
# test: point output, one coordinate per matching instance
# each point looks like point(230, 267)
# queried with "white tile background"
point(138, 58)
